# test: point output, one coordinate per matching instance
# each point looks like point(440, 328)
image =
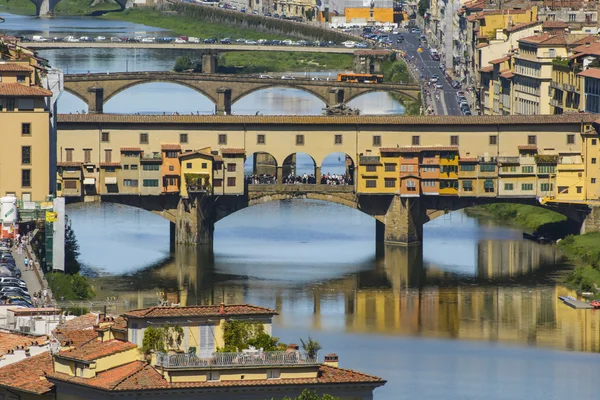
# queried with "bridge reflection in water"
point(398, 295)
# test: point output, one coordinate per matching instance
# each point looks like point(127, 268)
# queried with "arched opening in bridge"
point(159, 98)
point(338, 164)
point(70, 104)
point(299, 168)
point(260, 167)
point(378, 103)
point(279, 101)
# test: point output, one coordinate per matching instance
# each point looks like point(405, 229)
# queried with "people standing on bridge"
point(26, 262)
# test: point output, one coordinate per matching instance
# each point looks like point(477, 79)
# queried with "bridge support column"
point(402, 223)
point(96, 100)
point(591, 223)
point(223, 106)
point(209, 63)
point(336, 96)
point(194, 222)
point(279, 174)
point(318, 174)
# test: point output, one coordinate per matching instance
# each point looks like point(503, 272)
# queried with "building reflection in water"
point(399, 295)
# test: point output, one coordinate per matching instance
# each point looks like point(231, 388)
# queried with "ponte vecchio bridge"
point(222, 89)
point(96, 154)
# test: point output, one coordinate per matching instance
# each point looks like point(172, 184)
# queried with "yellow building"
point(109, 365)
point(196, 172)
point(449, 172)
point(25, 126)
point(356, 14)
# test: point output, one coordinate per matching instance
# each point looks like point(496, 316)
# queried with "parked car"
point(225, 41)
point(265, 77)
point(100, 38)
point(211, 40)
point(251, 42)
point(12, 281)
point(434, 78)
point(287, 77)
point(180, 41)
point(115, 39)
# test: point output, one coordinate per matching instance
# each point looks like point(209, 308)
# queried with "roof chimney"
point(222, 308)
point(331, 359)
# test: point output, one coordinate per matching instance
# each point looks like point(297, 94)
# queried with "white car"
point(39, 39)
point(100, 38)
point(71, 39)
point(115, 39)
point(181, 41)
point(287, 42)
point(349, 44)
point(287, 77)
point(148, 40)
point(266, 77)
point(251, 42)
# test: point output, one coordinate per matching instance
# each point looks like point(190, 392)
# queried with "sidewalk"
point(29, 276)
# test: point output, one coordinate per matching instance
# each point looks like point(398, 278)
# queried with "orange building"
point(171, 168)
point(409, 172)
point(430, 172)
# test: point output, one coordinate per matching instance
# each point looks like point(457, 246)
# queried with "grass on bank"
point(530, 218)
point(585, 251)
point(266, 61)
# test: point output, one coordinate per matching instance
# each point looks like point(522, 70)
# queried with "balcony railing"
point(556, 103)
point(555, 85)
point(509, 160)
point(244, 359)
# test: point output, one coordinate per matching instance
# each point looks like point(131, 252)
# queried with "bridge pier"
point(95, 100)
point(195, 221)
point(209, 63)
point(336, 96)
point(591, 222)
point(402, 224)
point(223, 106)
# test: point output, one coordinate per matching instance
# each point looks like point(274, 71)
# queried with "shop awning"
point(90, 181)
point(110, 180)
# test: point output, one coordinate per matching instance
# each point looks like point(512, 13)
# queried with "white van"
point(39, 39)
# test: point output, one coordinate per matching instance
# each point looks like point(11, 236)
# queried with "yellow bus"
point(360, 78)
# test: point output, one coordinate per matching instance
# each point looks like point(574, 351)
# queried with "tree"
point(72, 265)
point(81, 288)
point(308, 395)
point(240, 335)
point(311, 346)
point(183, 64)
point(423, 7)
point(161, 339)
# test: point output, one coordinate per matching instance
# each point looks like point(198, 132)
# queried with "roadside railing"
point(257, 358)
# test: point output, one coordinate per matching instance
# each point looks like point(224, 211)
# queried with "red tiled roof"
point(170, 147)
point(14, 67)
point(389, 150)
point(507, 75)
point(489, 68)
point(110, 164)
point(199, 311)
point(12, 341)
point(523, 25)
point(120, 324)
point(96, 349)
point(18, 90)
point(68, 164)
point(591, 73)
point(554, 24)
point(500, 60)
point(131, 149)
point(468, 159)
point(472, 17)
point(233, 151)
point(28, 375)
point(527, 147)
point(141, 376)
point(74, 337)
point(592, 48)
point(86, 321)
point(217, 158)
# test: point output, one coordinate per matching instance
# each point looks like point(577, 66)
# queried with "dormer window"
point(213, 376)
point(273, 374)
point(21, 78)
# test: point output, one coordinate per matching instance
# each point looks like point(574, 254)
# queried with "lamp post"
point(371, 13)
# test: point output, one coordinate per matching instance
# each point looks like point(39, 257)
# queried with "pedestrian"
point(44, 295)
point(26, 262)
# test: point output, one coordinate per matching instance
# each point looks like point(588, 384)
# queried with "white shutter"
point(207, 341)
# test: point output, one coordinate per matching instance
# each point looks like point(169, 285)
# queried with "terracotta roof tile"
point(507, 75)
point(217, 158)
point(86, 321)
point(170, 146)
point(14, 67)
point(468, 159)
point(120, 324)
point(74, 337)
point(592, 48)
point(233, 151)
point(110, 164)
point(96, 349)
point(554, 24)
point(417, 149)
point(106, 119)
point(500, 60)
point(28, 375)
point(199, 311)
point(523, 25)
point(489, 68)
point(389, 150)
point(131, 149)
point(16, 89)
point(68, 164)
point(141, 376)
point(11, 341)
point(591, 73)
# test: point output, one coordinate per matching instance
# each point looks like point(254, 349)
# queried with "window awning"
point(111, 180)
point(89, 181)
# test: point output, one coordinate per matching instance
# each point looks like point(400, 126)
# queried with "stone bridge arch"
point(354, 94)
point(286, 84)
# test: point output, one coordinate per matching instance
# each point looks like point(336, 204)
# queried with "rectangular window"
point(218, 182)
point(509, 186)
point(126, 167)
point(105, 137)
point(143, 138)
point(21, 78)
point(593, 160)
point(273, 374)
point(223, 138)
point(25, 104)
point(376, 141)
point(510, 168)
point(260, 139)
point(204, 165)
point(594, 141)
point(231, 167)
point(563, 189)
point(488, 186)
point(10, 104)
point(453, 140)
point(526, 186)
point(371, 183)
point(570, 139)
point(429, 183)
point(337, 139)
point(448, 169)
point(231, 181)
point(26, 178)
point(371, 168)
point(547, 169)
point(389, 167)
point(134, 167)
point(130, 182)
point(150, 183)
point(26, 128)
point(299, 140)
point(70, 184)
point(593, 180)
point(110, 169)
point(468, 186)
point(171, 154)
point(546, 187)
point(134, 333)
point(87, 155)
point(107, 155)
point(467, 167)
point(579, 189)
point(151, 167)
point(183, 138)
point(188, 165)
point(531, 140)
point(69, 155)
point(527, 169)
point(390, 182)
point(416, 140)
point(25, 154)
point(487, 167)
point(212, 376)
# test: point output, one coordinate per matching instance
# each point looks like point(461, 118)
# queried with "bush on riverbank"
point(69, 287)
point(585, 251)
point(395, 71)
point(266, 61)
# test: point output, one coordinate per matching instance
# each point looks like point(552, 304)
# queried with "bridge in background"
point(45, 8)
point(222, 89)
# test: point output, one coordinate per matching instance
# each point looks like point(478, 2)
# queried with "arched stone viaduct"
point(222, 89)
point(44, 8)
